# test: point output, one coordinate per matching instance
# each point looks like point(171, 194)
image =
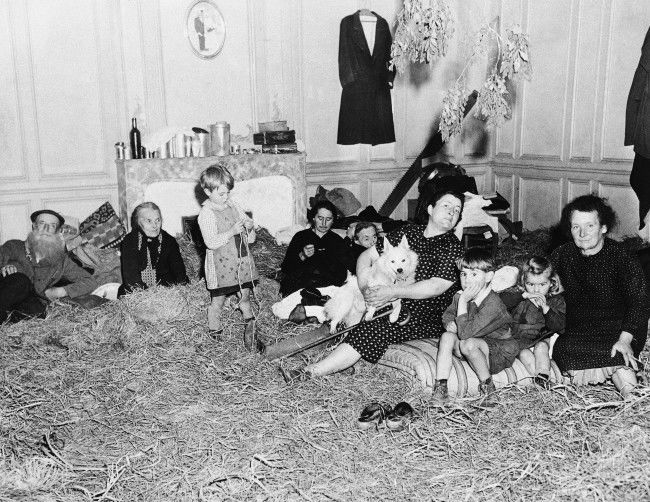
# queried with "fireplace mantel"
point(133, 176)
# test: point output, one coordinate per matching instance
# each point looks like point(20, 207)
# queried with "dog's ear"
point(404, 243)
point(387, 244)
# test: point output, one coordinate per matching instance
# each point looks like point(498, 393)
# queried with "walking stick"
point(300, 343)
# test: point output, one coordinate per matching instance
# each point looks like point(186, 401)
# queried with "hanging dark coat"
point(366, 115)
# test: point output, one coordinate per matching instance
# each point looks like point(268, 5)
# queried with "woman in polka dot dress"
point(436, 282)
point(606, 299)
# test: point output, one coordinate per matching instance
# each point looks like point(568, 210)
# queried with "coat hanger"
point(367, 15)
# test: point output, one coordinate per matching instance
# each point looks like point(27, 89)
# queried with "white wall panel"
point(14, 218)
point(66, 84)
point(577, 188)
point(203, 91)
point(320, 73)
point(79, 205)
point(587, 74)
point(629, 23)
point(622, 199)
point(537, 211)
point(544, 100)
point(12, 163)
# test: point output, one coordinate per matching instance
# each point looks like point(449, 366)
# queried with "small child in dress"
point(229, 267)
point(362, 236)
point(540, 313)
point(477, 325)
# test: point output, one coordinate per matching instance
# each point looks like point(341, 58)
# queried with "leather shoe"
point(298, 314)
point(373, 415)
point(400, 417)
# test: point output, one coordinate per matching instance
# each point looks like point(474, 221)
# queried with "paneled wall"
point(566, 135)
point(57, 108)
point(75, 72)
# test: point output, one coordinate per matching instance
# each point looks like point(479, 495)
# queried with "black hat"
point(36, 214)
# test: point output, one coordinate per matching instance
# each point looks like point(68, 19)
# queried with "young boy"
point(477, 327)
point(361, 236)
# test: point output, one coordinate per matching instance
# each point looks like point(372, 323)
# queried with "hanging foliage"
point(453, 105)
point(423, 34)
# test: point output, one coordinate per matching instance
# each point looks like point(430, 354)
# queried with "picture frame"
point(205, 28)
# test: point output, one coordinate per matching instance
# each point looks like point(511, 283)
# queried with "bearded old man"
point(31, 269)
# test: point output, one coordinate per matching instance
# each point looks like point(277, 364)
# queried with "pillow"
point(102, 228)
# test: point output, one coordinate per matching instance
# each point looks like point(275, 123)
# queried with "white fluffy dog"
point(345, 305)
point(395, 264)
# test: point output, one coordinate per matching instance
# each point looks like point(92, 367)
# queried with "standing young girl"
point(540, 313)
point(229, 267)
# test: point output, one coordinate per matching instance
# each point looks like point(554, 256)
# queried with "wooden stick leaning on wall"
point(432, 147)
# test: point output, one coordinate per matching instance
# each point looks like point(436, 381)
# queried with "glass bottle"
point(134, 138)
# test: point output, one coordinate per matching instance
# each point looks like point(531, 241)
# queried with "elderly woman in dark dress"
point(606, 299)
point(436, 278)
point(149, 255)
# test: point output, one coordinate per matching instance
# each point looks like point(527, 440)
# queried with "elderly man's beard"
point(44, 247)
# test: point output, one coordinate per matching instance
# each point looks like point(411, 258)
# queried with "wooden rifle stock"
point(433, 146)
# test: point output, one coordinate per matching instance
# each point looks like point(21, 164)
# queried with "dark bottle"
point(134, 137)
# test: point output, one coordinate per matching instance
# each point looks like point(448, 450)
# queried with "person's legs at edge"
point(444, 361)
point(527, 358)
point(640, 183)
point(214, 312)
point(477, 353)
point(340, 359)
point(15, 289)
point(542, 358)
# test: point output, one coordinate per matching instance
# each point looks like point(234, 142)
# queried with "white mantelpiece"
point(135, 176)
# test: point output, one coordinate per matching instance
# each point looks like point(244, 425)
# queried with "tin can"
point(179, 145)
point(220, 139)
point(119, 150)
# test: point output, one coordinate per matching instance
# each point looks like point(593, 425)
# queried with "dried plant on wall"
point(423, 34)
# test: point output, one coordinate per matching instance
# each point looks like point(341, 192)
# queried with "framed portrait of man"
point(205, 28)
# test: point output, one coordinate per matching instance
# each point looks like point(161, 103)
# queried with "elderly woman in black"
point(606, 299)
point(149, 255)
point(316, 257)
point(436, 281)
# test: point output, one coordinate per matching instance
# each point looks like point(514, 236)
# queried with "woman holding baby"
point(425, 299)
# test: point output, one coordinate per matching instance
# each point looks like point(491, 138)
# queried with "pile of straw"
point(111, 404)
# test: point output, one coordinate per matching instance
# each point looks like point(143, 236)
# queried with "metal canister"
point(220, 139)
point(179, 145)
point(119, 150)
point(203, 138)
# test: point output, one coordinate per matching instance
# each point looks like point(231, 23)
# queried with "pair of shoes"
point(251, 343)
point(373, 415)
point(292, 376)
point(299, 316)
point(401, 416)
point(440, 395)
point(487, 395)
point(543, 381)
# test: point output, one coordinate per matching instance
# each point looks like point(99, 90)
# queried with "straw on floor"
point(134, 401)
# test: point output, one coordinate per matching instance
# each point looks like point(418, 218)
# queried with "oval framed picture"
point(205, 28)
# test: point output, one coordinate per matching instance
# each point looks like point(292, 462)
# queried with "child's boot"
point(488, 396)
point(543, 380)
point(440, 394)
